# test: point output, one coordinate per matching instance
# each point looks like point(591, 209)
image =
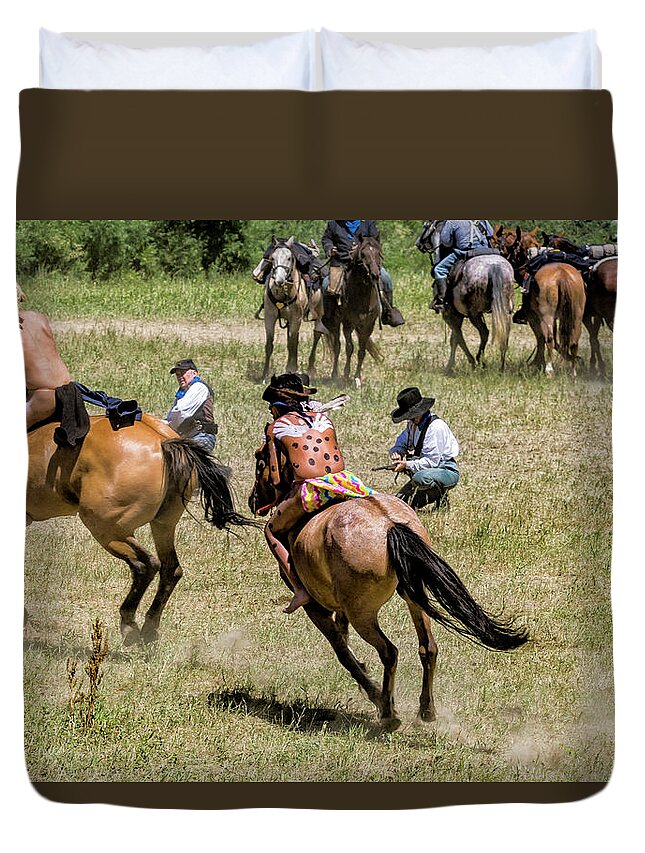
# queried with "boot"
point(520, 315)
point(390, 316)
point(439, 285)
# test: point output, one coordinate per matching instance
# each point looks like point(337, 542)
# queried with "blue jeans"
point(439, 479)
point(442, 269)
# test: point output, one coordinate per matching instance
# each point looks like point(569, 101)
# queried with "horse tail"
point(422, 573)
point(185, 460)
point(373, 350)
point(501, 317)
point(565, 312)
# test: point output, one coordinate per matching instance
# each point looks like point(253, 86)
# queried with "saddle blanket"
point(319, 491)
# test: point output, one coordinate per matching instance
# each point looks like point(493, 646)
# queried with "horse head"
point(263, 494)
point(368, 255)
point(282, 263)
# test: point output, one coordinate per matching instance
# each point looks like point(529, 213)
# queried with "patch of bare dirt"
point(215, 330)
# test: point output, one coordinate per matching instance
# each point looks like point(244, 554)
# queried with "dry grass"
point(236, 691)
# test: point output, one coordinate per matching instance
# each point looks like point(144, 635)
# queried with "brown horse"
point(485, 285)
point(352, 557)
point(358, 310)
point(555, 302)
point(602, 281)
point(118, 481)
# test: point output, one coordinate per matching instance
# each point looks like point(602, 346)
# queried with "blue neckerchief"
point(352, 225)
point(181, 393)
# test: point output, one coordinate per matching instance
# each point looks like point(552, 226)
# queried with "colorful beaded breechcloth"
point(319, 491)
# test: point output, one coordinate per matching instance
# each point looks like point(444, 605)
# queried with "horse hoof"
point(357, 382)
point(389, 724)
point(426, 716)
point(149, 635)
point(131, 635)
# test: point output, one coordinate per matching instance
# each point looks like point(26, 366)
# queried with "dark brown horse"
point(352, 557)
point(602, 281)
point(116, 482)
point(358, 310)
point(485, 285)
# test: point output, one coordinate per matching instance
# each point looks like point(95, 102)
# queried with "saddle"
point(455, 273)
point(550, 256)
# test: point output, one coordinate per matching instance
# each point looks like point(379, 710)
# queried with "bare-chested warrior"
point(44, 368)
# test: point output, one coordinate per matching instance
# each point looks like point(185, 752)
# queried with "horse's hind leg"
point(170, 572)
point(366, 624)
point(143, 567)
point(336, 633)
point(478, 322)
point(428, 656)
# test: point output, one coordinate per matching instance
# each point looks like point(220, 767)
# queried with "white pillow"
point(565, 62)
point(285, 62)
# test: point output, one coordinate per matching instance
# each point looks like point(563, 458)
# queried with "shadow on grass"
point(299, 716)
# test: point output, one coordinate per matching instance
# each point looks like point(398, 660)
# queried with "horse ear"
point(545, 238)
point(289, 242)
point(518, 232)
point(498, 230)
point(533, 233)
point(273, 240)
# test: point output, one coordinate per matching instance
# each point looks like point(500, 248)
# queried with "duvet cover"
point(141, 217)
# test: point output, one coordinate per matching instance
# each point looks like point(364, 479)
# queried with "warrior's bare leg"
point(286, 515)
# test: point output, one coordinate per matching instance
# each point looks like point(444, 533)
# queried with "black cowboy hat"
point(184, 364)
point(287, 387)
point(304, 378)
point(411, 404)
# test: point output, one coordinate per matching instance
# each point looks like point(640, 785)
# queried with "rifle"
point(385, 467)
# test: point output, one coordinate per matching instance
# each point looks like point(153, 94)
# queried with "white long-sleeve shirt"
point(439, 445)
point(185, 407)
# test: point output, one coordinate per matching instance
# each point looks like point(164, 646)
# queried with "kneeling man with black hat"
point(426, 450)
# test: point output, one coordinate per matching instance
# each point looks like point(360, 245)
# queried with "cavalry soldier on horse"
point(340, 239)
point(459, 237)
point(305, 468)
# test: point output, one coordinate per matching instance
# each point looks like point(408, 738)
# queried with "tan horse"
point(286, 302)
point(556, 305)
point(352, 557)
point(118, 481)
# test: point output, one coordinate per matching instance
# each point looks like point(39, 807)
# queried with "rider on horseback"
point(340, 238)
point(306, 469)
point(458, 236)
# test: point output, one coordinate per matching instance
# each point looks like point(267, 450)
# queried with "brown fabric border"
point(313, 795)
point(248, 155)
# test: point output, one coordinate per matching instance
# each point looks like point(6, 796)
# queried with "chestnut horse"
point(602, 281)
point(555, 304)
point(358, 310)
point(352, 557)
point(118, 481)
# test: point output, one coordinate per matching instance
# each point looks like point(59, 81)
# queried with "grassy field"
point(235, 690)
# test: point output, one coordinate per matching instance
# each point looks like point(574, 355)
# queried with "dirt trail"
point(196, 332)
point(228, 330)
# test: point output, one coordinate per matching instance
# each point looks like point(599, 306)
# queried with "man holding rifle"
point(426, 451)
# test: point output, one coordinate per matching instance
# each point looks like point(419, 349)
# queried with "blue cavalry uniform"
point(458, 236)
